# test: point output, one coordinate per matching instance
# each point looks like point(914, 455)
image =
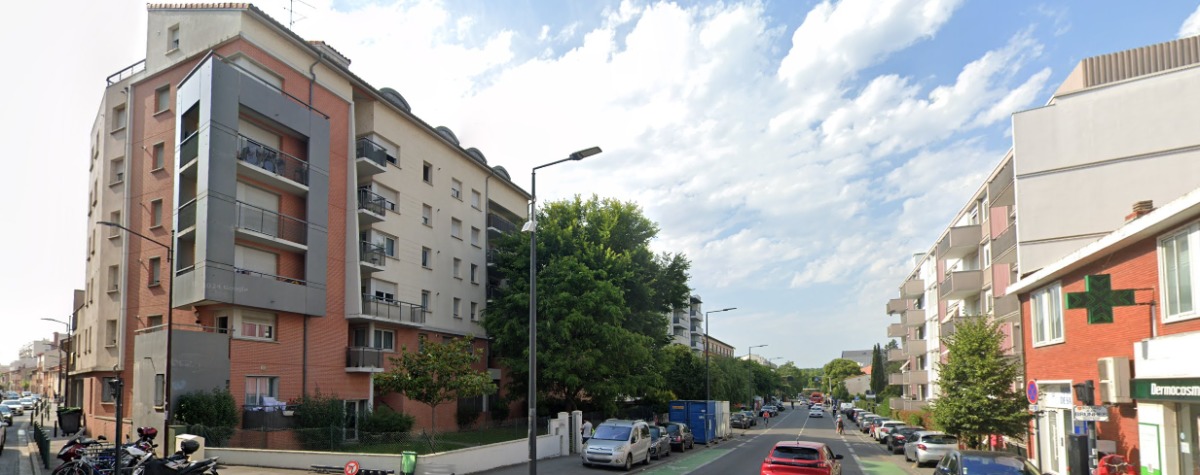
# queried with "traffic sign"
point(1090, 413)
point(1031, 392)
point(1033, 408)
point(351, 468)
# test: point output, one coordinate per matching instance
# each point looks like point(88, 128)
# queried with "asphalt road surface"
point(11, 454)
point(743, 454)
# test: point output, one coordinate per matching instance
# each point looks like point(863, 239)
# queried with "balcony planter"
point(69, 419)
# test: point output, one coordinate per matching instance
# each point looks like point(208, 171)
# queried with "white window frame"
point(476, 199)
point(165, 104)
point(426, 257)
point(272, 389)
point(427, 215)
point(456, 228)
point(456, 189)
point(156, 213)
point(457, 269)
point(1190, 235)
point(474, 311)
point(474, 273)
point(261, 320)
point(456, 306)
point(158, 156)
point(427, 173)
point(475, 233)
point(173, 38)
point(1045, 307)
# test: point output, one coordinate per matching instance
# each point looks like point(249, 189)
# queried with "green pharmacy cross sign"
point(1100, 298)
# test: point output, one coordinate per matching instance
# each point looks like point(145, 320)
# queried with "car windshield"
point(975, 465)
point(796, 453)
point(940, 439)
point(612, 433)
point(10, 402)
point(5, 409)
point(672, 429)
point(655, 433)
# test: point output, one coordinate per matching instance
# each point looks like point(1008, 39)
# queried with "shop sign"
point(1171, 389)
point(1090, 413)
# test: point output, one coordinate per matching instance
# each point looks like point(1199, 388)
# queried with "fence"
point(43, 443)
point(351, 440)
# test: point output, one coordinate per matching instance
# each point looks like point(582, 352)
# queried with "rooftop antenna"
point(291, 8)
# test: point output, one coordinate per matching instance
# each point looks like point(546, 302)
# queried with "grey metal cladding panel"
point(316, 259)
point(218, 283)
point(200, 362)
point(267, 293)
point(187, 289)
point(316, 301)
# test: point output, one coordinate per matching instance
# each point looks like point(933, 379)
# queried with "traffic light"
point(1085, 392)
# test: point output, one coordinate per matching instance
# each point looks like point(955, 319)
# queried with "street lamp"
point(531, 226)
point(62, 365)
point(707, 378)
point(750, 358)
point(170, 321)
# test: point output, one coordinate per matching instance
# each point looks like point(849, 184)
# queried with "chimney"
point(1141, 208)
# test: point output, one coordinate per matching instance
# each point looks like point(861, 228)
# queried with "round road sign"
point(1031, 392)
point(351, 467)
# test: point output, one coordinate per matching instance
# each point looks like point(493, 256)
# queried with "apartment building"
point(687, 325)
point(719, 348)
point(297, 227)
point(1117, 131)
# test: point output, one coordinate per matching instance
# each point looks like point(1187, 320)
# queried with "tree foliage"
point(436, 374)
point(837, 370)
point(603, 300)
point(878, 371)
point(980, 394)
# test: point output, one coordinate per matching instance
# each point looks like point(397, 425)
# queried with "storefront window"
point(1189, 450)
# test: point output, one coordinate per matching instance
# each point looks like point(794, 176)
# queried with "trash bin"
point(408, 462)
point(69, 419)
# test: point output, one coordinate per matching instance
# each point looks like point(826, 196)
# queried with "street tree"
point(878, 371)
point(680, 367)
point(436, 373)
point(837, 370)
point(979, 383)
point(603, 300)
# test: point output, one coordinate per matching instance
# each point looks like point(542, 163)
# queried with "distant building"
point(862, 357)
point(686, 325)
point(719, 348)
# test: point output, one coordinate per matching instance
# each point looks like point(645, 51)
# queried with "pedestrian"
point(766, 417)
point(586, 432)
point(838, 423)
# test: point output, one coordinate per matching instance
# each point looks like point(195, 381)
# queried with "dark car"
point(752, 417)
point(6, 415)
point(801, 457)
point(964, 462)
point(864, 424)
point(681, 436)
point(660, 443)
point(896, 439)
point(739, 421)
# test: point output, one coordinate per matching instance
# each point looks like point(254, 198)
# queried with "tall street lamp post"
point(531, 226)
point(707, 378)
point(170, 323)
point(750, 358)
point(62, 365)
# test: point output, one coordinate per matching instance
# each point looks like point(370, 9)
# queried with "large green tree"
point(980, 394)
point(603, 299)
point(879, 371)
point(436, 374)
point(837, 370)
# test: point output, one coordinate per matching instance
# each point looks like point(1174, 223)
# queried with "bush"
point(320, 422)
point(466, 416)
point(210, 413)
point(499, 409)
point(384, 419)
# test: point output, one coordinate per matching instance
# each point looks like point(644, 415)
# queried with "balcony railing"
point(897, 306)
point(896, 330)
point(960, 284)
point(266, 418)
point(1004, 247)
point(372, 202)
point(189, 149)
point(280, 278)
point(373, 254)
point(393, 310)
point(1007, 305)
point(271, 160)
point(361, 357)
point(272, 224)
point(912, 288)
point(915, 347)
point(187, 215)
point(959, 241)
point(372, 151)
point(495, 222)
point(896, 355)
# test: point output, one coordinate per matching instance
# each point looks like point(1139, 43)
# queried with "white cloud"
point(1190, 26)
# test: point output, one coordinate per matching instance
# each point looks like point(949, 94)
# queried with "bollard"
point(408, 462)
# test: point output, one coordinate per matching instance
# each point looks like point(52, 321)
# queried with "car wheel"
point(647, 461)
point(628, 462)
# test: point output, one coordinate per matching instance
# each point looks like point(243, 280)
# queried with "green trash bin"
point(408, 462)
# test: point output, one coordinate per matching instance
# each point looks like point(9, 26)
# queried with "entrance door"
point(1055, 441)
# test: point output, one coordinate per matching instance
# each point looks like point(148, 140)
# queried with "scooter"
point(76, 447)
point(179, 463)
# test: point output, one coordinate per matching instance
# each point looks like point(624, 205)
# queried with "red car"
point(801, 457)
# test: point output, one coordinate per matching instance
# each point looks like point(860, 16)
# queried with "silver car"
point(929, 446)
point(618, 443)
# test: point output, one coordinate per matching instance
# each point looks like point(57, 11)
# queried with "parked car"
point(660, 443)
point(681, 436)
point(27, 403)
point(883, 428)
point(772, 409)
point(3, 436)
point(896, 438)
point(16, 406)
point(816, 412)
point(801, 457)
point(618, 443)
point(6, 415)
point(739, 421)
point(964, 462)
point(928, 446)
point(864, 424)
point(862, 417)
point(752, 416)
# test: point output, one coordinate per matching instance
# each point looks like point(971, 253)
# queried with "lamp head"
point(585, 153)
point(107, 223)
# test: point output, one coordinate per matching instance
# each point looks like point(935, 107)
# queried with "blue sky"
point(797, 152)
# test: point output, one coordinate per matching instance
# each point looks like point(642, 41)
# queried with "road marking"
point(687, 464)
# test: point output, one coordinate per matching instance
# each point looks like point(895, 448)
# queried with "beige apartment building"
point(297, 227)
point(1119, 130)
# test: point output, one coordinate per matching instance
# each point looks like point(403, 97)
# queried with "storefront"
point(1054, 425)
point(1168, 394)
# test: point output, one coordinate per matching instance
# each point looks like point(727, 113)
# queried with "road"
point(744, 453)
point(11, 454)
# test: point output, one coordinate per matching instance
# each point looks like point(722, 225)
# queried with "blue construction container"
point(700, 416)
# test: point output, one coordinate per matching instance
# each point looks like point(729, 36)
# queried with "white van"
point(618, 443)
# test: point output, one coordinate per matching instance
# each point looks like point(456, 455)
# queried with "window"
point(259, 387)
point(476, 200)
point(173, 38)
point(427, 173)
point(1175, 268)
point(456, 306)
point(110, 333)
point(119, 117)
point(426, 257)
point(456, 228)
point(385, 339)
point(248, 260)
point(425, 301)
point(106, 392)
point(989, 301)
point(256, 326)
point(456, 189)
point(389, 246)
point(117, 169)
point(158, 156)
point(474, 312)
point(223, 325)
point(155, 271)
point(160, 390)
point(474, 273)
point(154, 321)
point(156, 213)
point(162, 99)
point(1047, 315)
point(475, 236)
point(114, 278)
point(427, 215)
point(114, 217)
point(986, 255)
point(457, 269)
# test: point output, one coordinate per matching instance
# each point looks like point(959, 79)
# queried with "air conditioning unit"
point(1114, 380)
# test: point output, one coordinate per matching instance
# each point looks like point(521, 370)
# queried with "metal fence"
point(352, 440)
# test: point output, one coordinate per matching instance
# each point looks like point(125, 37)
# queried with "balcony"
point(897, 330)
point(372, 257)
point(896, 355)
point(271, 228)
point(266, 418)
point(1004, 247)
point(500, 225)
point(364, 360)
point(917, 377)
point(1001, 190)
point(1008, 305)
point(906, 403)
point(372, 208)
point(961, 284)
point(960, 241)
point(896, 379)
point(895, 306)
point(915, 347)
point(272, 166)
point(695, 315)
point(370, 158)
point(387, 310)
point(187, 217)
point(679, 322)
point(189, 149)
point(913, 318)
point(912, 288)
